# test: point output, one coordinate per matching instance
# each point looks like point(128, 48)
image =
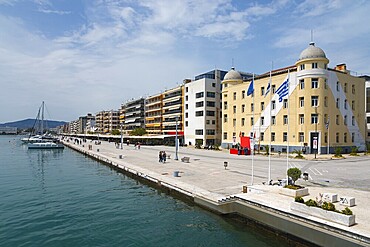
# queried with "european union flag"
point(251, 88)
point(283, 90)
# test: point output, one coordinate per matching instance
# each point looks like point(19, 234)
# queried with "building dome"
point(233, 75)
point(312, 52)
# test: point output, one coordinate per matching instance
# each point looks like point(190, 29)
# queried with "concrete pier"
point(206, 182)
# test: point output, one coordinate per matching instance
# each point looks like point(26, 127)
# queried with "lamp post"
point(315, 139)
point(121, 136)
point(176, 141)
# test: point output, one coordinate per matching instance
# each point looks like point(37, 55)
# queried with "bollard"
point(97, 150)
point(225, 164)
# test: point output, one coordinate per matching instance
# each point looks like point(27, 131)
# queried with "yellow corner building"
point(323, 109)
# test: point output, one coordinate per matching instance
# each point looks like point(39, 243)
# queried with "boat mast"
point(42, 118)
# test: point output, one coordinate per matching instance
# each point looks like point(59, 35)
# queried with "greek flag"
point(283, 90)
point(268, 88)
point(327, 124)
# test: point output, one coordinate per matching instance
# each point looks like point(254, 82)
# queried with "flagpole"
point(269, 173)
point(328, 135)
point(253, 134)
point(287, 151)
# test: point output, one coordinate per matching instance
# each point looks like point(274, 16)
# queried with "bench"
point(185, 159)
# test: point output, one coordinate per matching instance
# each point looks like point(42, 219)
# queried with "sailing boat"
point(42, 141)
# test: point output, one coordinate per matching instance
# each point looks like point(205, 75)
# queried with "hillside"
point(28, 123)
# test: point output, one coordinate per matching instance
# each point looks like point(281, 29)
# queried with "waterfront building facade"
point(367, 78)
point(172, 111)
point(6, 130)
point(322, 108)
point(202, 109)
point(153, 114)
point(110, 121)
point(133, 115)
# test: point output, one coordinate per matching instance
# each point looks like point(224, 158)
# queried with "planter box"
point(294, 193)
point(346, 220)
point(330, 197)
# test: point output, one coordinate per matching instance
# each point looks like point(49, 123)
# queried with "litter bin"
point(120, 156)
point(176, 173)
point(245, 188)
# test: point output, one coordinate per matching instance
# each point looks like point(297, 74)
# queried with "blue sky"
point(83, 56)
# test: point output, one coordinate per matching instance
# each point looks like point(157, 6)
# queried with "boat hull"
point(46, 145)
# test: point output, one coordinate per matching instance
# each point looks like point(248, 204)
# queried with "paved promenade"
point(206, 176)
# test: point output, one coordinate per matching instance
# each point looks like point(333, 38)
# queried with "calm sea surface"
point(61, 198)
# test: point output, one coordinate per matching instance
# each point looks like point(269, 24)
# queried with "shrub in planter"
point(294, 173)
point(328, 206)
point(293, 187)
point(347, 211)
point(299, 199)
point(311, 203)
point(354, 151)
point(338, 152)
point(298, 154)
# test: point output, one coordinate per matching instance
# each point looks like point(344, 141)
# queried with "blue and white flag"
point(327, 124)
point(251, 88)
point(283, 90)
point(268, 88)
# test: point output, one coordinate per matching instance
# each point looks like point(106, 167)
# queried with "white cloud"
point(58, 12)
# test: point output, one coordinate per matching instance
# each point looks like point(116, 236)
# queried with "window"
point(345, 120)
point(234, 109)
point(301, 101)
point(325, 118)
point(326, 138)
point(285, 103)
point(225, 118)
point(262, 136)
point(262, 106)
point(211, 94)
point(225, 105)
point(186, 89)
point(353, 89)
point(234, 96)
point(273, 105)
point(243, 121)
point(314, 118)
point(353, 137)
point(301, 84)
point(314, 83)
point(213, 84)
point(337, 104)
point(243, 108)
point(301, 118)
point(337, 119)
point(225, 95)
point(186, 115)
point(302, 67)
point(345, 137)
point(252, 107)
point(314, 65)
point(243, 94)
point(285, 119)
point(353, 105)
point(211, 103)
point(353, 121)
point(213, 122)
point(285, 136)
point(199, 132)
point(326, 101)
point(272, 136)
point(262, 91)
point(273, 88)
point(208, 122)
point(199, 113)
point(199, 95)
point(326, 84)
point(186, 106)
point(210, 132)
point(186, 123)
point(345, 104)
point(338, 86)
point(345, 87)
point(337, 137)
point(301, 136)
point(273, 120)
point(225, 135)
point(252, 120)
point(314, 101)
point(199, 104)
point(210, 113)
point(262, 121)
point(186, 98)
point(234, 122)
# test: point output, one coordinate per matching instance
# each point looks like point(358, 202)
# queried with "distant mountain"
point(28, 123)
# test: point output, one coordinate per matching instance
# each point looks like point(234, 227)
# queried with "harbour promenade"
point(207, 182)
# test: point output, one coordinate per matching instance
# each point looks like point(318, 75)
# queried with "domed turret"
point(312, 52)
point(233, 75)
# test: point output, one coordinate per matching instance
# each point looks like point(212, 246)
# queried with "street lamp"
point(121, 136)
point(176, 141)
point(315, 139)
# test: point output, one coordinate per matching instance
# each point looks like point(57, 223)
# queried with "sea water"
point(63, 198)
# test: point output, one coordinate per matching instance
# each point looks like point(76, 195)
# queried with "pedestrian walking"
point(164, 156)
point(160, 156)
